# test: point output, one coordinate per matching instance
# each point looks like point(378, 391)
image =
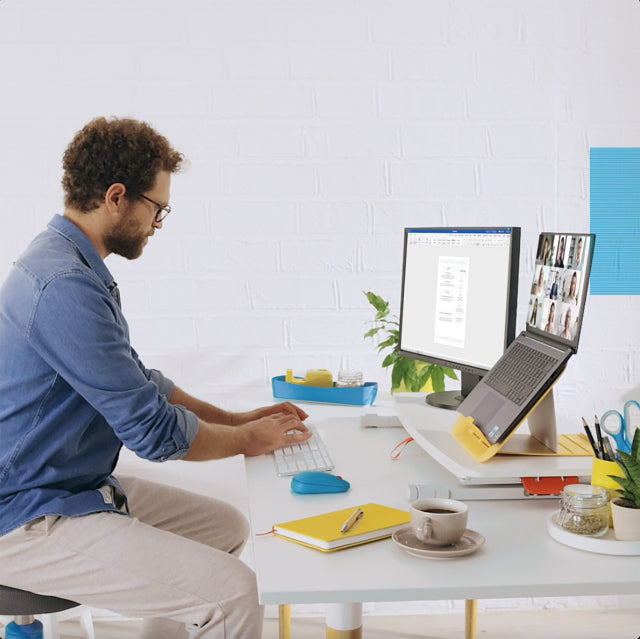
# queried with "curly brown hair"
point(117, 150)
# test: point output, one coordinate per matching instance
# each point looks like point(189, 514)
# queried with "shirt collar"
point(87, 250)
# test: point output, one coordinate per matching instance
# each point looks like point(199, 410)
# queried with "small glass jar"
point(584, 510)
point(349, 379)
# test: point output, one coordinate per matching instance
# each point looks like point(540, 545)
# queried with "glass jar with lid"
point(349, 379)
point(584, 510)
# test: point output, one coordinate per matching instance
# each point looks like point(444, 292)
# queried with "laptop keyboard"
point(311, 454)
point(520, 372)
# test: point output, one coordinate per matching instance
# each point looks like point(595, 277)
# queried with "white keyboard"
point(311, 454)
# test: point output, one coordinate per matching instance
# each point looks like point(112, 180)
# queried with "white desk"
point(519, 559)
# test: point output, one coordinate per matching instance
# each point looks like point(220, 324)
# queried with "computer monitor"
point(459, 297)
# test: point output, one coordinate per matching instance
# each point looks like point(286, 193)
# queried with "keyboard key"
point(515, 382)
point(308, 455)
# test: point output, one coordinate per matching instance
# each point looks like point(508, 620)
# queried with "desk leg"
point(470, 618)
point(284, 621)
point(344, 621)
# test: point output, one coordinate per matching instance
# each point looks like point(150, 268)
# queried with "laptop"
point(537, 357)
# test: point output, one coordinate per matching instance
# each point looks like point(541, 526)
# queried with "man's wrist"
point(217, 441)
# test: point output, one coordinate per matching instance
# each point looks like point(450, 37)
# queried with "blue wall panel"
point(615, 219)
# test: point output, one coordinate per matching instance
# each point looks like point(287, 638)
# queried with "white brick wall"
point(315, 132)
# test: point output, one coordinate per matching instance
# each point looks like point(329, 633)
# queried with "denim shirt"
point(72, 389)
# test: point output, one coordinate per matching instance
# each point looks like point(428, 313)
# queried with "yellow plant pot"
point(600, 477)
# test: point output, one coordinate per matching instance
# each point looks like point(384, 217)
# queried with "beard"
point(126, 237)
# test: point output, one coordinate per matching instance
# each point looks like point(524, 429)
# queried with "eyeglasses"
point(162, 211)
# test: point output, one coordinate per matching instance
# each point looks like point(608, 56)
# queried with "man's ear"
point(114, 197)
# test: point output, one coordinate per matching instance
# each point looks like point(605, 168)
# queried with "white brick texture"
point(315, 131)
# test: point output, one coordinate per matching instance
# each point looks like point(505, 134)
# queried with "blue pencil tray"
point(359, 396)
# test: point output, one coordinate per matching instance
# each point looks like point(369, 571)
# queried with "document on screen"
point(451, 301)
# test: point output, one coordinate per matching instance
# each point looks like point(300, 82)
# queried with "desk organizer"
point(351, 396)
point(605, 545)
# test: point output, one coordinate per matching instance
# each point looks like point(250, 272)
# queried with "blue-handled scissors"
point(620, 427)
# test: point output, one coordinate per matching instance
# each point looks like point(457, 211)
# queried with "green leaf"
point(390, 359)
point(390, 341)
point(437, 379)
point(379, 304)
point(631, 467)
point(411, 381)
point(629, 463)
point(407, 370)
point(424, 376)
point(397, 374)
point(635, 445)
point(449, 372)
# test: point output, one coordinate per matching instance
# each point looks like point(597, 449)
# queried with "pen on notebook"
point(590, 437)
point(599, 436)
point(357, 513)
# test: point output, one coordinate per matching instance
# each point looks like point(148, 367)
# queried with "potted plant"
point(410, 374)
point(625, 508)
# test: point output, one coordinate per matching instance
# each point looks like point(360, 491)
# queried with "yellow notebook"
point(323, 531)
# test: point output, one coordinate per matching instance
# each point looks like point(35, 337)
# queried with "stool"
point(23, 605)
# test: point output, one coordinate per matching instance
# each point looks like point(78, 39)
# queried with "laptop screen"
point(559, 288)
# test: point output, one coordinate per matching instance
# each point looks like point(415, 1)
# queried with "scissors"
point(620, 427)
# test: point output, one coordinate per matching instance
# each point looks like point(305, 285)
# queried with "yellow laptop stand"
point(542, 440)
point(474, 440)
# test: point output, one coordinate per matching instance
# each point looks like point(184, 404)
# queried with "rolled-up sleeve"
point(164, 384)
point(187, 421)
point(188, 425)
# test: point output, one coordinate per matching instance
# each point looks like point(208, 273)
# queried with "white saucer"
point(468, 543)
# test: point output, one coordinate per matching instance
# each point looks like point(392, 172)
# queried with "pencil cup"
point(600, 477)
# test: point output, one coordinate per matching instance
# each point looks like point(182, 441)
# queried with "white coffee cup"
point(438, 522)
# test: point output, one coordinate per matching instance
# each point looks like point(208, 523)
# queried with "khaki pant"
point(174, 562)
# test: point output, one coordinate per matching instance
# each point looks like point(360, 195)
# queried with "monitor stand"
point(452, 399)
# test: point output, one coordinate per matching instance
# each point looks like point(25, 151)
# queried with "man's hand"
point(261, 435)
point(273, 431)
point(285, 408)
point(214, 415)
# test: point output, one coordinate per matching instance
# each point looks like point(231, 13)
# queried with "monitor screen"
point(559, 287)
point(459, 296)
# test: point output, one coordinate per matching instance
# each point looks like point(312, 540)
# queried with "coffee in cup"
point(437, 521)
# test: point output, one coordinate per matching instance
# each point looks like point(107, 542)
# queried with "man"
point(73, 391)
